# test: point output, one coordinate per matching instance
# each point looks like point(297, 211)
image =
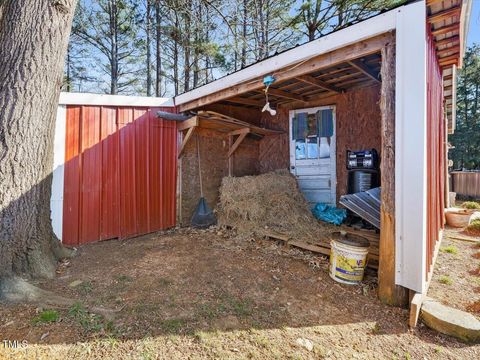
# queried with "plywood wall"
point(358, 127)
point(214, 163)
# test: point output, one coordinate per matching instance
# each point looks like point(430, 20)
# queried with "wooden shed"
point(386, 83)
point(389, 83)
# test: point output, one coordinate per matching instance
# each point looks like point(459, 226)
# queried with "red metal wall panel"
point(120, 173)
point(436, 151)
point(71, 193)
point(91, 175)
point(110, 217)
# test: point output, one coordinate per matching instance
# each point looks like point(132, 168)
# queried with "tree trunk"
point(33, 42)
point(244, 34)
point(113, 47)
point(158, 29)
point(186, 49)
point(148, 45)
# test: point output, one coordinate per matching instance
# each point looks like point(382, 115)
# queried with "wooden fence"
point(466, 183)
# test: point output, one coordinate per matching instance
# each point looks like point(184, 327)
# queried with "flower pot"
point(458, 217)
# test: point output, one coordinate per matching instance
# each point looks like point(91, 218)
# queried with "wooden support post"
point(185, 140)
point(388, 291)
point(230, 158)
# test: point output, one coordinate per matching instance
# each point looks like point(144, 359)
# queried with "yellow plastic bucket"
point(348, 257)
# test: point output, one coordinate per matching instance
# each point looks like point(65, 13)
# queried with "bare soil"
point(456, 277)
point(202, 294)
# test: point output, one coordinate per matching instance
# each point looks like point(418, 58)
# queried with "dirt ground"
point(187, 294)
point(456, 277)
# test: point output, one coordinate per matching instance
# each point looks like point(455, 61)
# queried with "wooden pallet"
point(324, 247)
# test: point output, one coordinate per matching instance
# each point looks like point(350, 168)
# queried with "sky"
point(474, 32)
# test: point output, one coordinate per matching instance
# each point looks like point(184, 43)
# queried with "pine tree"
point(466, 139)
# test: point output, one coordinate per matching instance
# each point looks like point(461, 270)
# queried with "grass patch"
point(473, 205)
point(449, 249)
point(85, 288)
point(444, 279)
point(211, 311)
point(45, 317)
point(88, 321)
point(173, 326)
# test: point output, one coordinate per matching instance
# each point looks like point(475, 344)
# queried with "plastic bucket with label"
point(348, 257)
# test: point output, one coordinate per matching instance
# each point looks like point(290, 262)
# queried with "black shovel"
point(203, 216)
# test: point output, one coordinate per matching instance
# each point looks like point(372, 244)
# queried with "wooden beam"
point(388, 291)
point(236, 144)
point(445, 14)
point(360, 66)
point(446, 29)
point(432, 2)
point(452, 39)
point(187, 124)
point(449, 60)
point(452, 49)
point(336, 57)
point(245, 101)
point(285, 94)
point(185, 140)
point(318, 83)
point(239, 132)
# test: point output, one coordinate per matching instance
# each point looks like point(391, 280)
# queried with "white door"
point(312, 153)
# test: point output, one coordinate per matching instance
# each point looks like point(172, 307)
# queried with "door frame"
point(333, 145)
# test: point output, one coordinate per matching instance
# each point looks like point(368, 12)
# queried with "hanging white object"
point(268, 80)
point(269, 109)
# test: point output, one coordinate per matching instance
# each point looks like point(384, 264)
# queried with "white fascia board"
point(411, 148)
point(56, 197)
point(377, 25)
point(69, 98)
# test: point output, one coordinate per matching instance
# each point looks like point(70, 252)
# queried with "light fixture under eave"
point(267, 81)
point(269, 109)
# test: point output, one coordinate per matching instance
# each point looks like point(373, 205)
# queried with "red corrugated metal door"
point(120, 173)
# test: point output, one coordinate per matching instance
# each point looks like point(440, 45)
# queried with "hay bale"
point(258, 205)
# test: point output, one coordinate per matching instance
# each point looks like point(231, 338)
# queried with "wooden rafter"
point(245, 101)
point(186, 139)
point(285, 94)
point(323, 61)
point(361, 66)
point(450, 50)
point(444, 14)
point(318, 83)
point(446, 29)
point(450, 40)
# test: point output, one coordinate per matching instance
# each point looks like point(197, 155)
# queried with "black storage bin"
point(362, 180)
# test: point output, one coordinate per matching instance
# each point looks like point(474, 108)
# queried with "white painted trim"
point(410, 148)
point(56, 199)
point(366, 29)
point(112, 100)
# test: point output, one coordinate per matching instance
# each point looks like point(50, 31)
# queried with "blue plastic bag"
point(329, 213)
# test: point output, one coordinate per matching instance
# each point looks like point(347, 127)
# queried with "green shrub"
point(470, 205)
